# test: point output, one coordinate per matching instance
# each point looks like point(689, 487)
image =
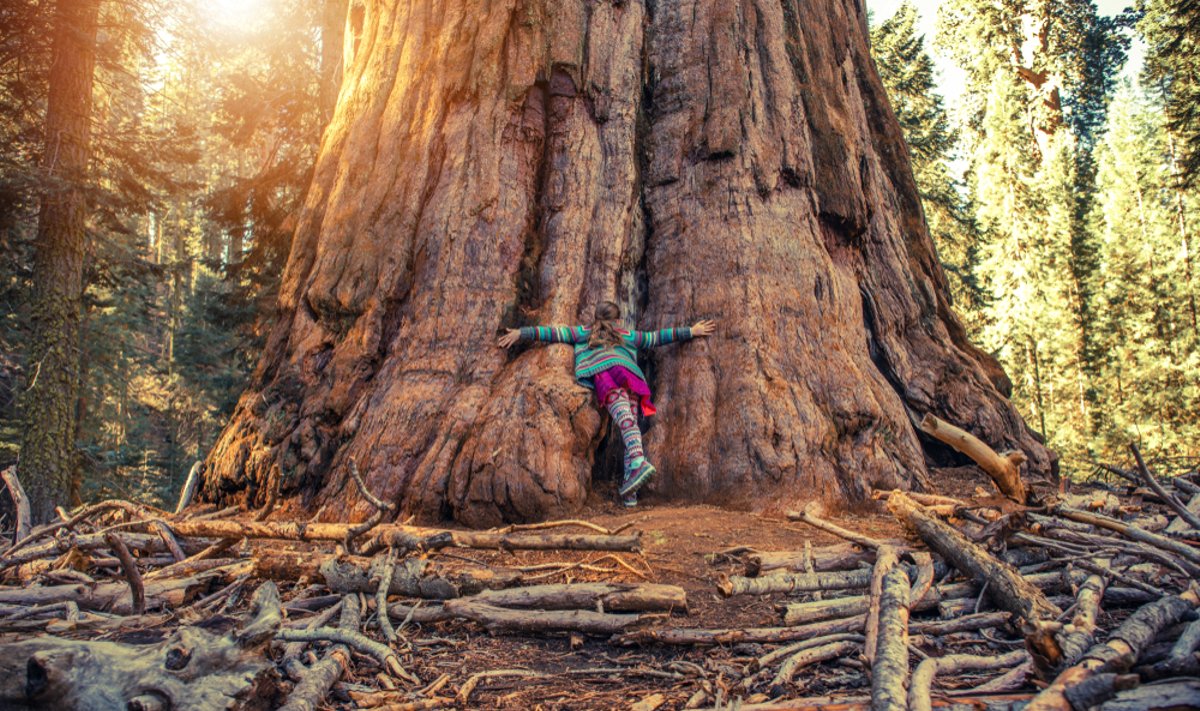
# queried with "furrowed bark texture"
point(49, 462)
point(521, 162)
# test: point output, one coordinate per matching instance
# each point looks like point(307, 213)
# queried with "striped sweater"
point(589, 361)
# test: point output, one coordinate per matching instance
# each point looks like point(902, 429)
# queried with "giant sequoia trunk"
point(498, 164)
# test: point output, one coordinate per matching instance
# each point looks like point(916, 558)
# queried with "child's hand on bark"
point(510, 337)
point(703, 328)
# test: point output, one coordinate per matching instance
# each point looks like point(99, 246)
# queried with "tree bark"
point(518, 164)
point(49, 464)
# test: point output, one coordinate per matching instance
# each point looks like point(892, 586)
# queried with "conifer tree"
point(908, 75)
point(49, 465)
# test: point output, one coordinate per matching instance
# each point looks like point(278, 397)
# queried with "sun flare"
point(235, 14)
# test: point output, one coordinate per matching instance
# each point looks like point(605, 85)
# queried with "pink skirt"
point(618, 377)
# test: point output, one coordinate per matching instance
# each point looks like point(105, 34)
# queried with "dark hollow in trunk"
point(519, 162)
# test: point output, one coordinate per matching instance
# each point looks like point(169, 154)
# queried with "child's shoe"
point(637, 474)
point(629, 501)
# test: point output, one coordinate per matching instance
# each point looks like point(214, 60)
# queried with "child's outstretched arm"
point(650, 339)
point(546, 334)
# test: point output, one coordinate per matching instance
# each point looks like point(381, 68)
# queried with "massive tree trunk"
point(49, 460)
point(517, 162)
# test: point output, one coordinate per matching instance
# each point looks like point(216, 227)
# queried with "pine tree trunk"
point(49, 463)
point(519, 162)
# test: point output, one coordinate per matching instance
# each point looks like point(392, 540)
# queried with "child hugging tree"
point(606, 360)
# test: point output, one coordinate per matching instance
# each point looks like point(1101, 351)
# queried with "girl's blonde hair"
point(606, 328)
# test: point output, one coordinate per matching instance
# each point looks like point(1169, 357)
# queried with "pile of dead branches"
point(199, 593)
point(1088, 602)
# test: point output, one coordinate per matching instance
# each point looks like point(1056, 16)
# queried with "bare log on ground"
point(502, 619)
point(1117, 654)
point(1007, 588)
point(793, 582)
point(189, 487)
point(977, 621)
point(770, 657)
point(191, 669)
point(1169, 499)
point(613, 597)
point(922, 678)
point(885, 560)
point(144, 542)
point(811, 514)
point(355, 640)
point(1004, 469)
point(1190, 556)
point(934, 502)
point(810, 656)
point(382, 585)
point(1178, 526)
point(1080, 636)
point(1183, 652)
point(20, 503)
point(843, 556)
point(1011, 680)
point(762, 635)
point(1165, 696)
point(406, 537)
point(115, 596)
point(924, 581)
point(889, 670)
point(316, 681)
point(289, 660)
point(413, 577)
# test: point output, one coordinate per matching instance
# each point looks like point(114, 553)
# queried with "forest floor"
point(715, 654)
point(685, 545)
point(681, 545)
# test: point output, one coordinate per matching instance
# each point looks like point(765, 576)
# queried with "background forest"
point(1060, 188)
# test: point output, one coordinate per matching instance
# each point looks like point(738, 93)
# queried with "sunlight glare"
point(235, 14)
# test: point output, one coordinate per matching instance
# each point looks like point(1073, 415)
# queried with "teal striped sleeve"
point(650, 339)
point(555, 334)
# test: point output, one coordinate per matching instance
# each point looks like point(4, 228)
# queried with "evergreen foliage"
point(203, 143)
point(1171, 29)
point(908, 75)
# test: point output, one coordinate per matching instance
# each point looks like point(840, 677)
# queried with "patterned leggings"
point(621, 408)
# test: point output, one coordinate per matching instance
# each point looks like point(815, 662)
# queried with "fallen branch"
point(189, 487)
point(811, 516)
point(502, 619)
point(1005, 586)
point(922, 678)
point(790, 582)
point(810, 656)
point(1169, 499)
point(1079, 637)
point(1117, 654)
point(137, 590)
point(613, 597)
point(464, 693)
point(1190, 555)
point(889, 669)
point(885, 560)
point(1004, 469)
point(20, 503)
point(355, 640)
point(316, 681)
